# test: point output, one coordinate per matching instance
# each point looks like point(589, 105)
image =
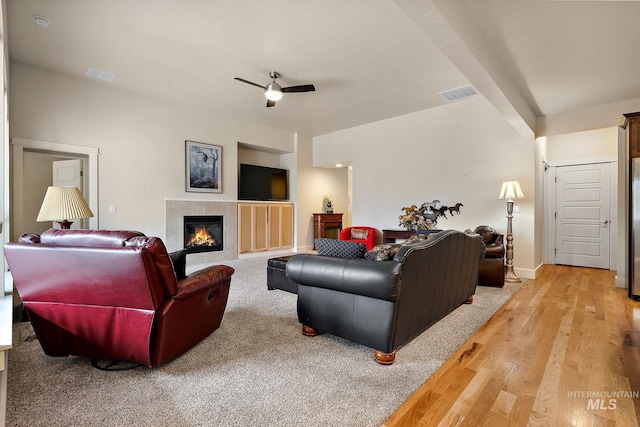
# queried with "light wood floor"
point(563, 351)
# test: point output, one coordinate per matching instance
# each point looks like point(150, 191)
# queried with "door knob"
point(606, 221)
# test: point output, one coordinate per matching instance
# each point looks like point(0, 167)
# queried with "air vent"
point(459, 93)
point(99, 74)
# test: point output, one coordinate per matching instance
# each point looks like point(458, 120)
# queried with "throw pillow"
point(357, 234)
point(383, 252)
point(339, 248)
point(387, 251)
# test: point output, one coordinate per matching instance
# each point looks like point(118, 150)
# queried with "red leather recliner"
point(360, 234)
point(114, 295)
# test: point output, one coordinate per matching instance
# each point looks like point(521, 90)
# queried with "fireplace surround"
point(176, 210)
point(203, 233)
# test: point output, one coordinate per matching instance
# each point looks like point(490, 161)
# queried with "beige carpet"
point(256, 370)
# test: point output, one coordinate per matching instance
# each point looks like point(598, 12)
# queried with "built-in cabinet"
point(264, 226)
point(631, 122)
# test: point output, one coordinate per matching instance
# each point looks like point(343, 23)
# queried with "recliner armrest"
point(202, 279)
point(494, 251)
point(375, 279)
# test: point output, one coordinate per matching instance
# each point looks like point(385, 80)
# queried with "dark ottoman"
point(277, 275)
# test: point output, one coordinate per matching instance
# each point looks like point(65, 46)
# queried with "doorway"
point(580, 205)
point(23, 203)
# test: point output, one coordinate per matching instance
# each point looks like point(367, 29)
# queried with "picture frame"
point(203, 166)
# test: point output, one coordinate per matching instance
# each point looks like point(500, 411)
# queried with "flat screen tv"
point(262, 183)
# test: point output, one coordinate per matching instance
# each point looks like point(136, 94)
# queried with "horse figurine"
point(429, 206)
point(455, 209)
point(409, 210)
point(441, 211)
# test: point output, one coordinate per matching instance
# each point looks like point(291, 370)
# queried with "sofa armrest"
point(375, 279)
point(202, 279)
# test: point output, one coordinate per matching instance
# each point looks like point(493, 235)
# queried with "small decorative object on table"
point(327, 204)
point(426, 216)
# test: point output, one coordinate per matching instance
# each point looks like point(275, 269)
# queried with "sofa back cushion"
point(339, 248)
point(87, 238)
point(93, 267)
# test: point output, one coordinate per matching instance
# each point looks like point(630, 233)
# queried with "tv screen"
point(262, 183)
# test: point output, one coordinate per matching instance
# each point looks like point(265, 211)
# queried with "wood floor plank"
point(564, 350)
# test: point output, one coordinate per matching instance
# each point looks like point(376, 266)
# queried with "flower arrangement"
point(412, 219)
point(426, 216)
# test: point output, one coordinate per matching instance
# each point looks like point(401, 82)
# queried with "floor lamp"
point(62, 204)
point(510, 190)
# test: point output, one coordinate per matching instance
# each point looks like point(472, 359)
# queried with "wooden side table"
point(327, 225)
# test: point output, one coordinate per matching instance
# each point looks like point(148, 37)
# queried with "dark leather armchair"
point(386, 304)
point(114, 295)
point(359, 234)
point(491, 271)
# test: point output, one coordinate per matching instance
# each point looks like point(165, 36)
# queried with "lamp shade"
point(511, 190)
point(61, 203)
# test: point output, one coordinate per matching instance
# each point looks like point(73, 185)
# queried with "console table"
point(390, 236)
point(327, 225)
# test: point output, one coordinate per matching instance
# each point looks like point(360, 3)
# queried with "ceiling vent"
point(459, 93)
point(99, 74)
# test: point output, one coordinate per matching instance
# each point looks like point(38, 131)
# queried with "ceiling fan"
point(273, 91)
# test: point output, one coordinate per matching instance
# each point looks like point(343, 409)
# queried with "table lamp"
point(62, 204)
point(510, 190)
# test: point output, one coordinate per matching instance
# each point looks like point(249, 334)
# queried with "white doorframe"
point(17, 186)
point(549, 200)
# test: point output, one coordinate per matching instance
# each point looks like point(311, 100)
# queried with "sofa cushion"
point(339, 248)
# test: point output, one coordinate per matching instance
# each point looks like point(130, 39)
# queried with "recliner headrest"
point(87, 238)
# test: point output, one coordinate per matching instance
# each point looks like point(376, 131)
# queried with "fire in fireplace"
point(203, 233)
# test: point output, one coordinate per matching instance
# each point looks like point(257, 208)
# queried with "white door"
point(583, 215)
point(68, 173)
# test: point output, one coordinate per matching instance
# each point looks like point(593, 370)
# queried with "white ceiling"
point(368, 59)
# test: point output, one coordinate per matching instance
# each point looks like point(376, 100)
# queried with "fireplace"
point(203, 233)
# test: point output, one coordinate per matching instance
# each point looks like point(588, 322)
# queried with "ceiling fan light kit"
point(274, 92)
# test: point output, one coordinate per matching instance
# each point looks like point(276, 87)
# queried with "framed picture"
point(203, 167)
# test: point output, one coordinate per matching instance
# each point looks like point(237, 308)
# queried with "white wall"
point(584, 146)
point(260, 158)
point(312, 184)
point(593, 117)
point(141, 141)
point(461, 152)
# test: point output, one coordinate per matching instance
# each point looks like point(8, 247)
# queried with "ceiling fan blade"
point(301, 88)
point(250, 83)
point(270, 103)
